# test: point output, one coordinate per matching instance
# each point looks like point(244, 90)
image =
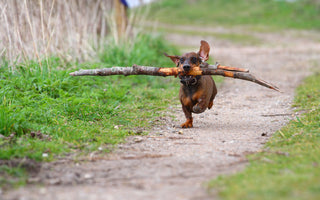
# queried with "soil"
point(175, 163)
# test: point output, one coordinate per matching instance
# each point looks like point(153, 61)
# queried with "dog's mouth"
point(188, 80)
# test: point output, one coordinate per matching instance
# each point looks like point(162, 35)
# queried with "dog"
point(196, 92)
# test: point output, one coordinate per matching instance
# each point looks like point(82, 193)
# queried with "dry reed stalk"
point(72, 30)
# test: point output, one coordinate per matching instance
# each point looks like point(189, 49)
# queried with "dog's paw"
point(187, 124)
point(198, 109)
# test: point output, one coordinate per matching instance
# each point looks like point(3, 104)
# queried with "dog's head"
point(189, 61)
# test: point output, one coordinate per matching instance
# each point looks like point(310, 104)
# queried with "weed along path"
point(174, 163)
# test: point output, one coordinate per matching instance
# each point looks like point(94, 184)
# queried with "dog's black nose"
point(186, 67)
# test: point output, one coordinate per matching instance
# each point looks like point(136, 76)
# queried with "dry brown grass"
point(72, 30)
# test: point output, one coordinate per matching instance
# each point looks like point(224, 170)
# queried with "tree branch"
point(204, 69)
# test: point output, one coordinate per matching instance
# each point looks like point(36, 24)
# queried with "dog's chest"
point(188, 95)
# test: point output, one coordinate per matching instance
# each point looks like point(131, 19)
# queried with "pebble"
point(138, 139)
point(42, 190)
point(33, 180)
point(88, 176)
point(54, 181)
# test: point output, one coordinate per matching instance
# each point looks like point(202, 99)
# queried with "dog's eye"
point(193, 60)
point(182, 60)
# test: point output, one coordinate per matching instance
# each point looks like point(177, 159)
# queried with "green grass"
point(80, 114)
point(289, 166)
point(275, 14)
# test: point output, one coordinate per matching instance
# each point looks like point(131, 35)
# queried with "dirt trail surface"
point(174, 163)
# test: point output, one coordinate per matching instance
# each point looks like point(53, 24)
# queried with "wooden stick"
point(218, 66)
point(232, 68)
point(126, 71)
point(152, 71)
point(206, 69)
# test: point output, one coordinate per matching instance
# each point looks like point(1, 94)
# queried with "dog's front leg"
point(188, 114)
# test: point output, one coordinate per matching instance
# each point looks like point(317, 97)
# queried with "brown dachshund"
point(196, 92)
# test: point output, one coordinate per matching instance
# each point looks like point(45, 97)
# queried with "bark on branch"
point(204, 69)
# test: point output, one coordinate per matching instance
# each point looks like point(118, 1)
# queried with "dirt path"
point(169, 165)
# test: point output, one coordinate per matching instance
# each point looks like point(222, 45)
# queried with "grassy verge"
point(275, 14)
point(289, 166)
point(45, 113)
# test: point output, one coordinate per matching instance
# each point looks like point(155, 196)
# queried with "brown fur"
point(196, 93)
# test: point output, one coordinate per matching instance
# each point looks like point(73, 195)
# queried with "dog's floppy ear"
point(175, 59)
point(204, 50)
